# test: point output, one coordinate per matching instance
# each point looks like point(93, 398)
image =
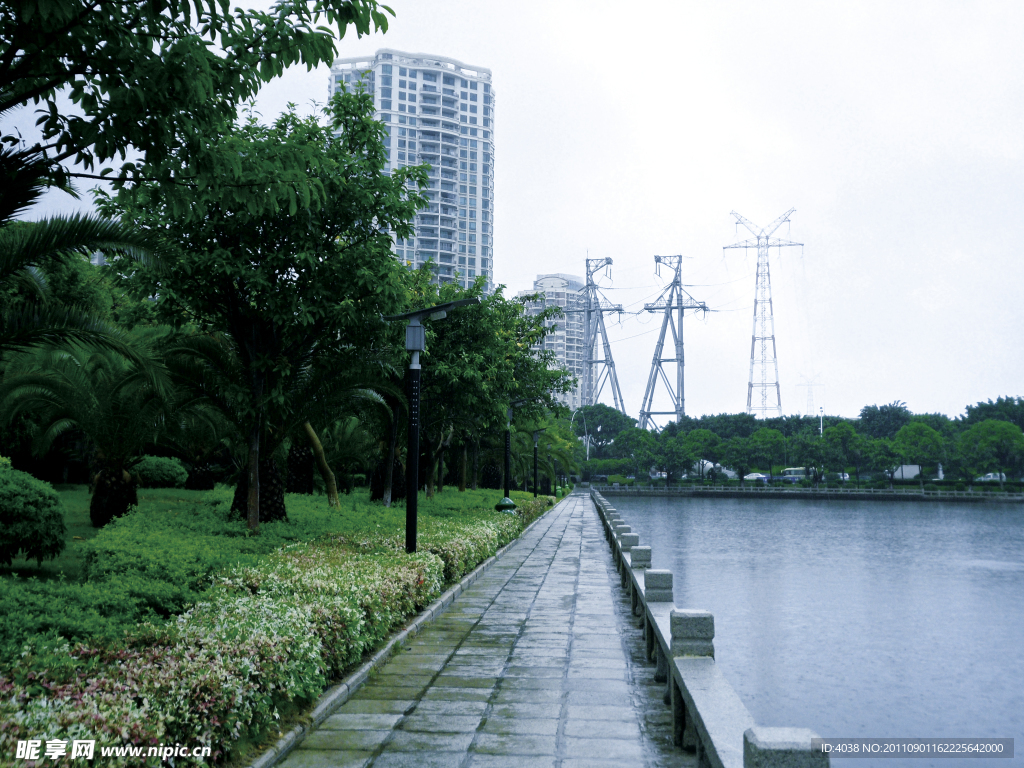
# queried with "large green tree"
point(994, 446)
point(601, 424)
point(283, 248)
point(113, 77)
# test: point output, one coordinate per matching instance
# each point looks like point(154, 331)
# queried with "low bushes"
point(160, 472)
point(272, 618)
point(31, 518)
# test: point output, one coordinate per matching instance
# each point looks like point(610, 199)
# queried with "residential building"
point(566, 341)
point(437, 111)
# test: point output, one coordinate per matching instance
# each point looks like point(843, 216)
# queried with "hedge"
point(160, 472)
point(31, 517)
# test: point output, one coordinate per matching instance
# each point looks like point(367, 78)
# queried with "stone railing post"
point(693, 633)
point(639, 559)
point(781, 748)
point(658, 589)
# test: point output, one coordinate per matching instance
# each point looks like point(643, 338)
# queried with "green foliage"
point(160, 472)
point(603, 424)
point(884, 420)
point(1009, 409)
point(31, 518)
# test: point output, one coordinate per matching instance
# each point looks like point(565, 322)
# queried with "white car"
point(757, 477)
point(991, 477)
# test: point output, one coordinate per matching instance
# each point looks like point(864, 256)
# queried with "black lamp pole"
point(508, 455)
point(416, 342)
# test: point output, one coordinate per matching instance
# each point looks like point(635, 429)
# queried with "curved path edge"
point(339, 693)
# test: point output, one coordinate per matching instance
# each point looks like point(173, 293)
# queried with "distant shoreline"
point(811, 494)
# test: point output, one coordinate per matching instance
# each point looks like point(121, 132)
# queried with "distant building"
point(566, 341)
point(437, 111)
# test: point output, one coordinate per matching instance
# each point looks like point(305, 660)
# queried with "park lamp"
point(536, 440)
point(416, 342)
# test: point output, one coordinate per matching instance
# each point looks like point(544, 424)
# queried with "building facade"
point(441, 112)
point(566, 341)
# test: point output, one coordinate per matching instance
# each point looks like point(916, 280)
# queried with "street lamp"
point(586, 432)
point(821, 420)
point(536, 438)
point(416, 342)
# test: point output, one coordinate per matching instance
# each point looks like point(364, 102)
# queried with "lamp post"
point(536, 438)
point(586, 432)
point(416, 342)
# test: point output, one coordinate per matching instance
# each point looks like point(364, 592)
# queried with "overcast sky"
point(894, 130)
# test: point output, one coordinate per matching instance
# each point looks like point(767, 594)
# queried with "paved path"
point(536, 664)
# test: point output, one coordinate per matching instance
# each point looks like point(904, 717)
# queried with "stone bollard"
point(693, 633)
point(640, 557)
point(781, 748)
point(629, 540)
point(657, 586)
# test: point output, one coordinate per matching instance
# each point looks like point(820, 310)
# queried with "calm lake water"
point(856, 619)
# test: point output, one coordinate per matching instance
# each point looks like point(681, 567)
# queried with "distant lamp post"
point(536, 439)
point(416, 342)
point(586, 433)
point(821, 419)
point(506, 504)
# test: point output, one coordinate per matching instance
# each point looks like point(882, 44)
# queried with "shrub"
point(160, 472)
point(960, 487)
point(31, 518)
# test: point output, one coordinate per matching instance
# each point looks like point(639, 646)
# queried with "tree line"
point(987, 439)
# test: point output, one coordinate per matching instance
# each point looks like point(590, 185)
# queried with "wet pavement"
point(538, 663)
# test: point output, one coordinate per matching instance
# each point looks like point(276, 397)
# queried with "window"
point(386, 69)
point(448, 80)
point(472, 97)
point(430, 76)
point(401, 143)
point(472, 144)
point(401, 97)
point(385, 104)
point(401, 155)
point(412, 97)
point(463, 83)
point(448, 91)
point(464, 95)
point(472, 87)
point(472, 224)
point(462, 166)
point(472, 215)
point(402, 71)
point(401, 83)
point(385, 93)
point(462, 214)
point(412, 145)
point(487, 88)
point(472, 166)
point(412, 73)
point(385, 80)
point(431, 88)
point(472, 108)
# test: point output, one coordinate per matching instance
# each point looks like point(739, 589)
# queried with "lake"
point(855, 618)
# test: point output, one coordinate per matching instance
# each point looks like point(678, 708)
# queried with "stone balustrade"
point(707, 714)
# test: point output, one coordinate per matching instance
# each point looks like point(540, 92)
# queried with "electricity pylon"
point(673, 301)
point(810, 383)
point(764, 318)
point(597, 370)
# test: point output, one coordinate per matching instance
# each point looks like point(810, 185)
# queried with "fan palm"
point(38, 319)
point(120, 405)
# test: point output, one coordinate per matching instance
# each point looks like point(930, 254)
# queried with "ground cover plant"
point(184, 628)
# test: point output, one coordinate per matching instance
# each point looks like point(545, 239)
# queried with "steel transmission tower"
point(764, 318)
point(673, 301)
point(597, 371)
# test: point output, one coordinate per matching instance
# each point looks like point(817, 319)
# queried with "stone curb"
point(338, 694)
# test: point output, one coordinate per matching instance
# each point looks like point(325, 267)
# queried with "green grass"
point(357, 511)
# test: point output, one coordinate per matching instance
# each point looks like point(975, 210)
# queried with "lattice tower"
point(598, 368)
point(673, 302)
point(763, 334)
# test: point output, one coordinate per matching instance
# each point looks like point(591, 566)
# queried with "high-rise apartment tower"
point(567, 339)
point(438, 111)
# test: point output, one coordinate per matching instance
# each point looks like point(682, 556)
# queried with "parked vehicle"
point(794, 474)
point(991, 477)
point(756, 477)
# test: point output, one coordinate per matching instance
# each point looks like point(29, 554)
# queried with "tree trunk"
point(272, 507)
point(440, 470)
point(391, 457)
point(476, 463)
point(253, 501)
point(113, 494)
point(462, 469)
point(321, 463)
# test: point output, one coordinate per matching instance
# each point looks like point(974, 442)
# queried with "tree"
point(119, 404)
point(603, 424)
point(847, 446)
point(738, 453)
point(768, 446)
point(1009, 409)
point(994, 446)
point(917, 443)
point(884, 420)
point(640, 446)
point(285, 250)
point(675, 455)
point(884, 457)
point(703, 445)
point(156, 78)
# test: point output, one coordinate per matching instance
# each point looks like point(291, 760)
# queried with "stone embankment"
point(707, 714)
point(762, 493)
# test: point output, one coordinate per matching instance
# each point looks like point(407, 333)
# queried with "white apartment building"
point(561, 290)
point(437, 111)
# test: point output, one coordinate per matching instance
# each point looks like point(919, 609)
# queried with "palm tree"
point(119, 404)
point(25, 248)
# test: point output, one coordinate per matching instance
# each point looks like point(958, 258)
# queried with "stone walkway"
point(536, 664)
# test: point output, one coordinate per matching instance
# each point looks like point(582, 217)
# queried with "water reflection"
point(858, 619)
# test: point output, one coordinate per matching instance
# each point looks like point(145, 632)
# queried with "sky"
point(896, 131)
